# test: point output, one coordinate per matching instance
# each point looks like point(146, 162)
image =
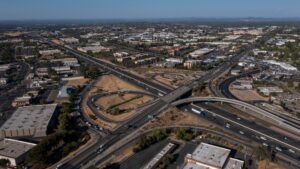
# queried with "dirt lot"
point(169, 76)
point(269, 165)
point(112, 83)
point(122, 156)
point(248, 95)
point(89, 112)
point(136, 102)
point(109, 101)
point(173, 116)
point(78, 82)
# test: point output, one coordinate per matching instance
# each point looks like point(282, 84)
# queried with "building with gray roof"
point(14, 150)
point(29, 121)
point(207, 156)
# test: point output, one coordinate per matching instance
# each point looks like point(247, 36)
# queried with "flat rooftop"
point(234, 164)
point(210, 155)
point(14, 148)
point(35, 116)
point(159, 156)
point(193, 166)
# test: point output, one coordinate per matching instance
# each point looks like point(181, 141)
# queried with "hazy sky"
point(119, 9)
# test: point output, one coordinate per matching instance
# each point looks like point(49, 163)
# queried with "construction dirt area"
point(77, 82)
point(127, 103)
point(169, 76)
point(110, 83)
point(266, 164)
point(248, 95)
point(174, 116)
point(122, 101)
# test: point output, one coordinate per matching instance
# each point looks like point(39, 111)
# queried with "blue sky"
point(131, 9)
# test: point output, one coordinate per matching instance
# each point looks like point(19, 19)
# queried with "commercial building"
point(269, 90)
point(4, 67)
point(14, 150)
point(200, 52)
point(3, 81)
point(67, 61)
point(62, 69)
point(70, 40)
point(21, 101)
point(120, 54)
point(282, 65)
point(211, 157)
point(50, 52)
point(29, 121)
point(147, 60)
point(65, 92)
point(189, 64)
point(93, 49)
point(42, 71)
point(155, 161)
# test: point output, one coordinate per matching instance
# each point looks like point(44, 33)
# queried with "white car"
point(291, 151)
point(278, 149)
point(263, 138)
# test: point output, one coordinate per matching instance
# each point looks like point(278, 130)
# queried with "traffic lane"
point(251, 124)
point(225, 91)
point(247, 133)
point(121, 73)
point(114, 137)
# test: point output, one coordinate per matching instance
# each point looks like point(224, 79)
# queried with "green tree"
point(66, 108)
point(4, 162)
point(260, 153)
point(183, 134)
point(290, 83)
point(64, 122)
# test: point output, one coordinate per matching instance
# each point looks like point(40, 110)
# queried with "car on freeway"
point(278, 149)
point(263, 138)
point(292, 151)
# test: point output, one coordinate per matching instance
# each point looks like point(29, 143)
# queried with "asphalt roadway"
point(246, 128)
point(94, 107)
point(142, 117)
point(137, 121)
point(224, 88)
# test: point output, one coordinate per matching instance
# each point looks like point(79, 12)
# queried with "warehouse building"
point(14, 150)
point(29, 121)
point(155, 161)
point(211, 157)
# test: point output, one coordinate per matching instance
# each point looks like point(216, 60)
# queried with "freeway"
point(258, 112)
point(113, 141)
point(249, 129)
point(130, 126)
point(150, 86)
point(225, 91)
